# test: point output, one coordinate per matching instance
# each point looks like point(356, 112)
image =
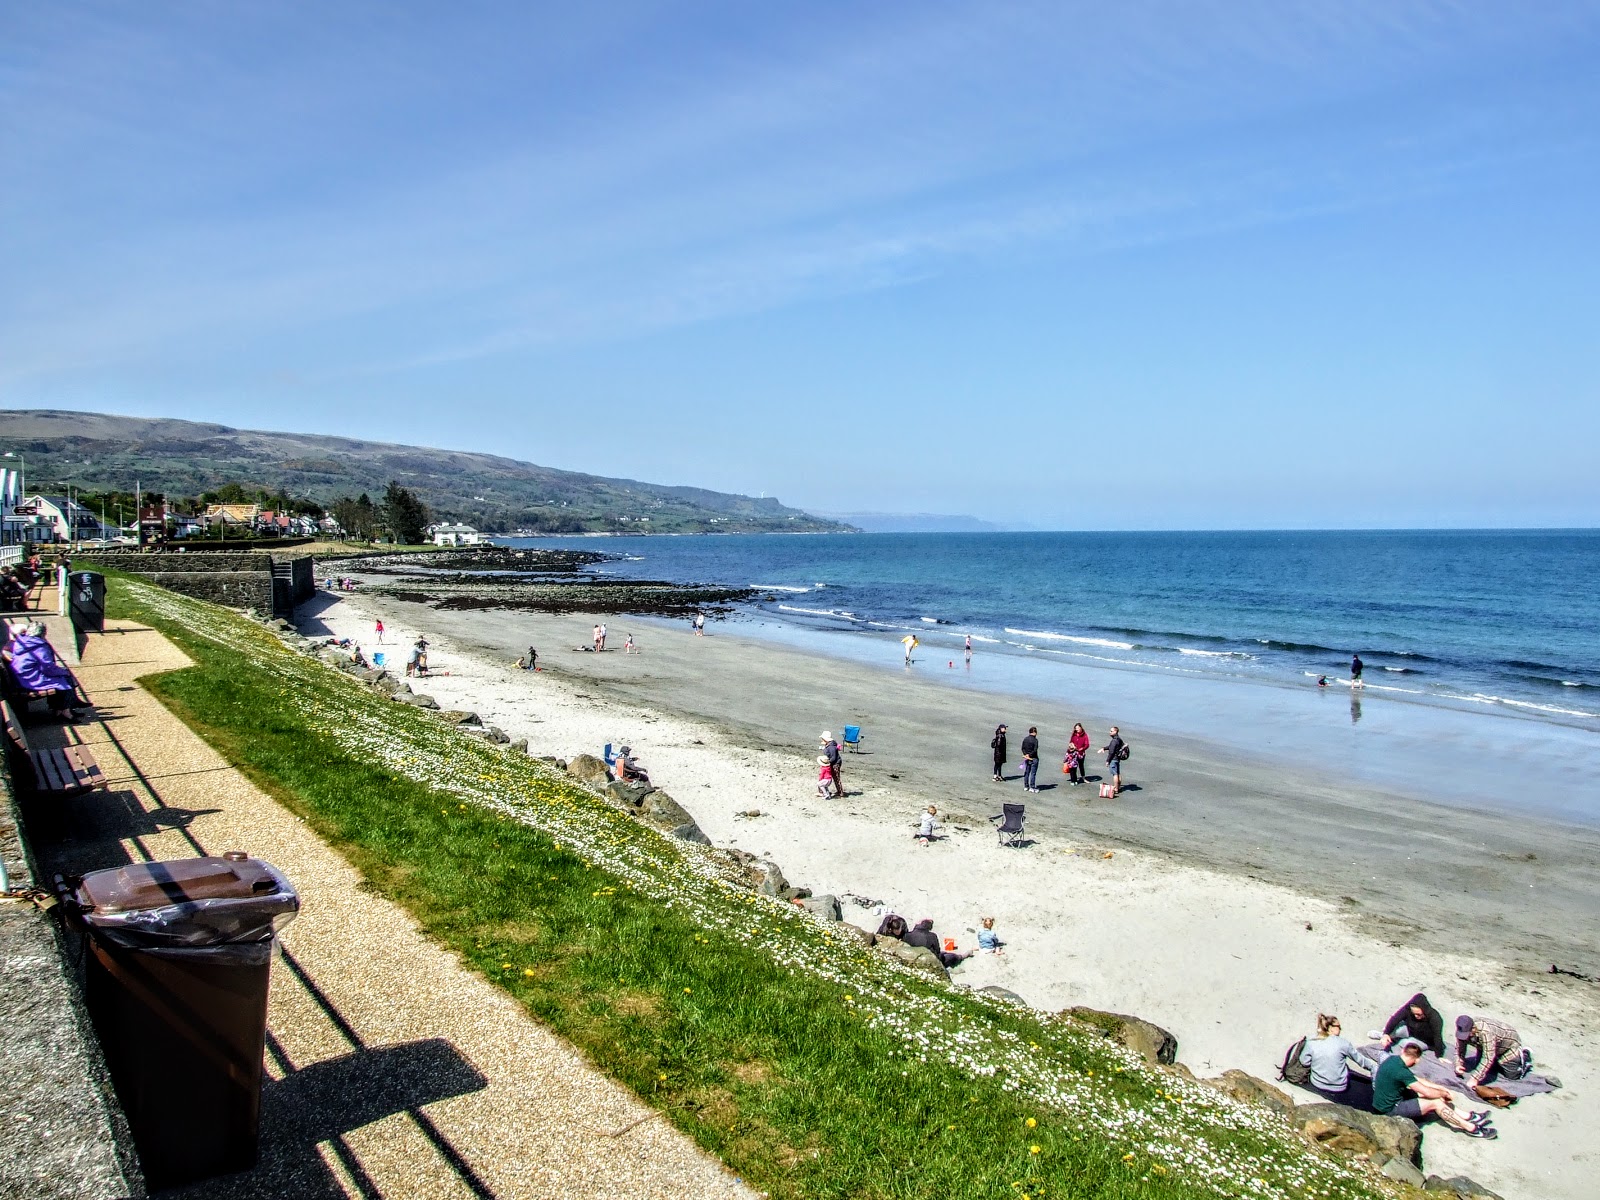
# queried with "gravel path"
point(395, 1070)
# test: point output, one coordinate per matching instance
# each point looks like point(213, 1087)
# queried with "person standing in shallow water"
point(998, 745)
point(1355, 671)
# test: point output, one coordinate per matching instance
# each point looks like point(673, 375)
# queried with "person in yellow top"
point(911, 643)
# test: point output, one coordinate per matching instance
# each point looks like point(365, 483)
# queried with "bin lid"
point(190, 901)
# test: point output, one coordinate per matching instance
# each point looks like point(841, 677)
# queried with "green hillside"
point(185, 458)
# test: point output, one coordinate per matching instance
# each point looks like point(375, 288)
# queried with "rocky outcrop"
point(1149, 1041)
point(824, 906)
point(771, 881)
point(1460, 1187)
point(1399, 1170)
point(1246, 1087)
point(1367, 1135)
point(454, 716)
point(918, 958)
point(589, 771)
point(631, 794)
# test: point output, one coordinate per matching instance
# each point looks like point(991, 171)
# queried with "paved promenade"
point(394, 1070)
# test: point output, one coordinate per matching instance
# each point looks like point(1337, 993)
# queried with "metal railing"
point(10, 555)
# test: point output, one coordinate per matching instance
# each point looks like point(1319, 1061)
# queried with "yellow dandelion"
point(528, 971)
point(1032, 1122)
point(686, 991)
point(1033, 1149)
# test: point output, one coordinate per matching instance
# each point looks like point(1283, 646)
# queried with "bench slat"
point(85, 771)
point(47, 770)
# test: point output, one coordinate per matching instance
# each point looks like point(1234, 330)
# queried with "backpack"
point(1292, 1070)
point(1125, 753)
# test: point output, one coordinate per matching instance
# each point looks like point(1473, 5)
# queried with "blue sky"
point(1174, 265)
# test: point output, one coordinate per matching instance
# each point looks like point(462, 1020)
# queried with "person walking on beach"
point(1115, 750)
point(968, 649)
point(532, 659)
point(998, 744)
point(594, 638)
point(627, 646)
point(1030, 760)
point(830, 750)
point(911, 644)
point(1355, 671)
point(602, 644)
point(699, 624)
point(378, 628)
point(1077, 755)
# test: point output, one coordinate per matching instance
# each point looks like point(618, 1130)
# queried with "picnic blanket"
point(1439, 1070)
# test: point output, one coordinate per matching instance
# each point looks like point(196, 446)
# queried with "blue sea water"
point(1504, 622)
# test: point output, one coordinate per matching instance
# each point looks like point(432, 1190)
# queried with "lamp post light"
point(22, 480)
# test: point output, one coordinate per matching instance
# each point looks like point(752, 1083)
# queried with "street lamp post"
point(22, 479)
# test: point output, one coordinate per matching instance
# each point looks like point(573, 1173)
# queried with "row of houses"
point(44, 519)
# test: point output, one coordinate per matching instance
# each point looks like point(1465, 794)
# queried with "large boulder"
point(689, 831)
point(662, 810)
point(918, 958)
point(630, 794)
point(771, 881)
point(1246, 1087)
point(826, 907)
point(1149, 1041)
point(455, 716)
point(589, 770)
point(1460, 1187)
point(1399, 1170)
point(1338, 1127)
point(423, 701)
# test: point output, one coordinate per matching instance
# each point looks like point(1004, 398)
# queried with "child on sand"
point(824, 777)
point(988, 939)
point(925, 830)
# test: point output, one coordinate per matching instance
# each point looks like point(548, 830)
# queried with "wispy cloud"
point(433, 193)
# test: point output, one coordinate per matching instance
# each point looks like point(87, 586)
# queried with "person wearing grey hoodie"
point(1330, 1055)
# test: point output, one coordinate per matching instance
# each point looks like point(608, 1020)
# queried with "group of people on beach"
point(342, 583)
point(922, 934)
point(1116, 753)
point(1383, 1078)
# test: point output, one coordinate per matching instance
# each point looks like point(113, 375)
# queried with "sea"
point(1184, 626)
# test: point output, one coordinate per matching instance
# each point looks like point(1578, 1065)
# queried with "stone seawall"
point(238, 580)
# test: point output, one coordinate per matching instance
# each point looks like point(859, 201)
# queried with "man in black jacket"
point(1030, 760)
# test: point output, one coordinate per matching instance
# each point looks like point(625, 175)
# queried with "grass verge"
point(807, 1062)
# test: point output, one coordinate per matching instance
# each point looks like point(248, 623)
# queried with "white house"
point(454, 535)
point(57, 518)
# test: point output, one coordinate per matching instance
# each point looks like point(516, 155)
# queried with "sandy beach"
point(1227, 900)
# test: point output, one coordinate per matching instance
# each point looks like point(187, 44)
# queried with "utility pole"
point(138, 511)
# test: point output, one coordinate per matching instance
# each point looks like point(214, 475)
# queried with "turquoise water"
point(1502, 621)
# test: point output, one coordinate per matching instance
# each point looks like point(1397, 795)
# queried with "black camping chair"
point(1010, 827)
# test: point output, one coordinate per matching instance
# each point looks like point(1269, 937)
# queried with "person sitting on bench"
point(13, 593)
point(33, 665)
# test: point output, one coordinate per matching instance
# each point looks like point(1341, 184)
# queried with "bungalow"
point(454, 535)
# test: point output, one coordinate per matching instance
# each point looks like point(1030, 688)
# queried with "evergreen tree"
point(403, 515)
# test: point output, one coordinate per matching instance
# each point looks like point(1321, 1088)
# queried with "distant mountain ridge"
point(874, 522)
point(185, 458)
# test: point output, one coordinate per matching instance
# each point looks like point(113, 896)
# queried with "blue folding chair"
point(852, 738)
point(611, 759)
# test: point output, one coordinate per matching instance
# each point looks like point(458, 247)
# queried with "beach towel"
point(1436, 1070)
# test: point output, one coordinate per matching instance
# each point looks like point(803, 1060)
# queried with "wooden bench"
point(63, 772)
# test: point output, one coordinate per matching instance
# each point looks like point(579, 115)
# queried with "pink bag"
point(1106, 793)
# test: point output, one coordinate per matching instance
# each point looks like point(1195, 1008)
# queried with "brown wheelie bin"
point(175, 980)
